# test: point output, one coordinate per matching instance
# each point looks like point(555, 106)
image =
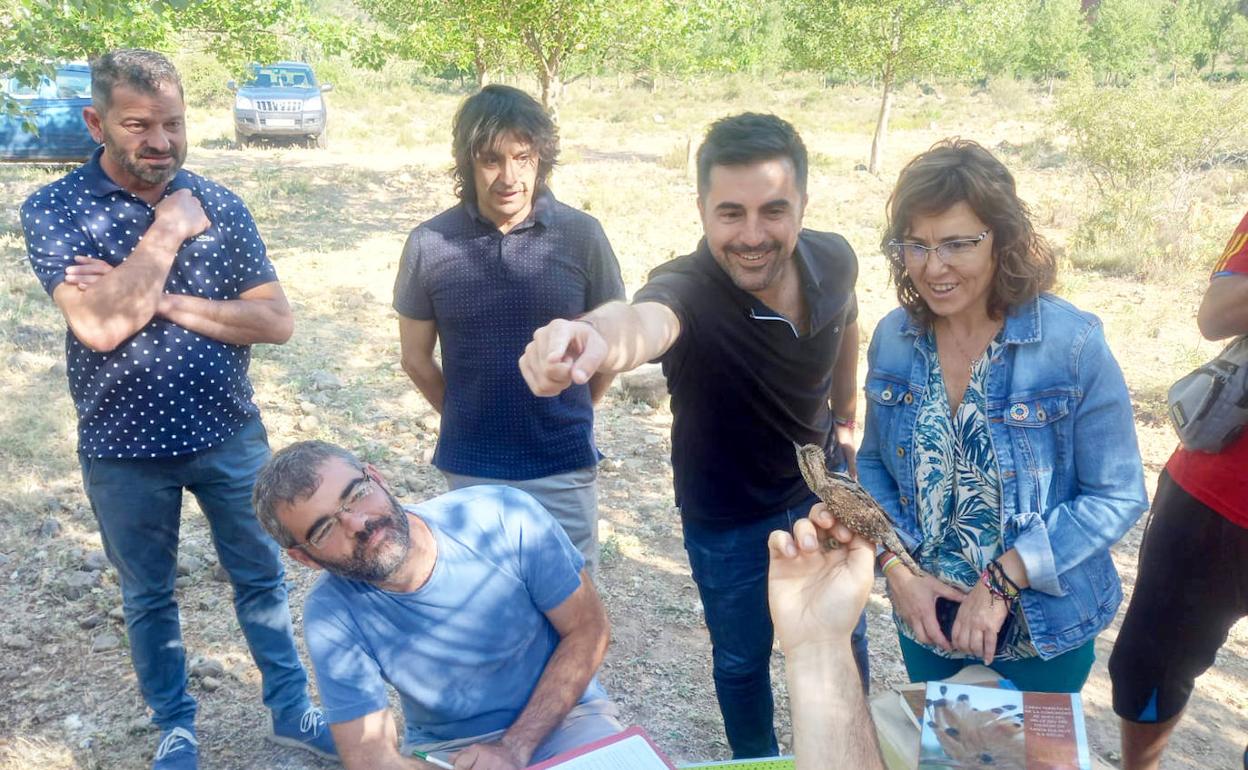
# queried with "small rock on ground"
point(95, 561)
point(105, 643)
point(207, 667)
point(323, 380)
point(17, 642)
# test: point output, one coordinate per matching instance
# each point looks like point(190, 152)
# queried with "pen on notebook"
point(433, 760)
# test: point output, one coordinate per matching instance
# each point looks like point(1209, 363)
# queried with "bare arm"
point(416, 341)
point(845, 394)
point(124, 299)
point(370, 743)
point(816, 595)
point(260, 314)
point(1224, 310)
point(614, 337)
point(582, 625)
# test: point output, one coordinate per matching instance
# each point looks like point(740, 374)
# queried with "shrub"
point(1136, 135)
point(1145, 146)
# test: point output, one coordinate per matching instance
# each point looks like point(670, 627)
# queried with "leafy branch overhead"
point(34, 34)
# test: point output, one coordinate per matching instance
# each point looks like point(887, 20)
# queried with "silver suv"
point(281, 100)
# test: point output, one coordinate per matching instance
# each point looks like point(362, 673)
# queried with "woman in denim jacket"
point(999, 436)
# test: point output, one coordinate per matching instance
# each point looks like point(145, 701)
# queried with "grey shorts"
point(572, 498)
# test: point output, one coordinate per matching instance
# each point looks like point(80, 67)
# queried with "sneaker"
point(178, 750)
point(308, 731)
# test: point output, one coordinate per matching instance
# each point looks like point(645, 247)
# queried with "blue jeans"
point(729, 565)
point(138, 505)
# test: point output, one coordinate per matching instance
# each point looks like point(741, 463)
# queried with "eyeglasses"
point(949, 252)
point(362, 488)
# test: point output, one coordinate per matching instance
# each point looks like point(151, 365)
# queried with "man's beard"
point(389, 552)
point(152, 176)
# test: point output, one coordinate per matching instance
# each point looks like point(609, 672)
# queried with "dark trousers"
point(138, 505)
point(729, 566)
point(1192, 586)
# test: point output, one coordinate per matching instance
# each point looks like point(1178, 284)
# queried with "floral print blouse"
point(959, 508)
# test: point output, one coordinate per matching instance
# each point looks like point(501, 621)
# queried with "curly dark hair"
point(959, 170)
point(485, 118)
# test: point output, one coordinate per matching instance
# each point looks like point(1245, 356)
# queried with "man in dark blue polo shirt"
point(164, 282)
point(757, 333)
point(480, 277)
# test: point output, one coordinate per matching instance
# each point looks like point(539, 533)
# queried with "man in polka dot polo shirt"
point(164, 283)
point(479, 278)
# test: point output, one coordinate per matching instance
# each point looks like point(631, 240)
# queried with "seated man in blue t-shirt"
point(474, 606)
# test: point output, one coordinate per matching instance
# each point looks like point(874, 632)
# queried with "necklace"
point(971, 360)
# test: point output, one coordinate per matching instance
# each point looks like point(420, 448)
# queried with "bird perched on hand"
point(852, 505)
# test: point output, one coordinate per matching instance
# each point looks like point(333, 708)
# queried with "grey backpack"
point(1209, 407)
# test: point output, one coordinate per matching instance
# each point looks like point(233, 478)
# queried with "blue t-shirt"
point(466, 649)
point(165, 391)
point(487, 293)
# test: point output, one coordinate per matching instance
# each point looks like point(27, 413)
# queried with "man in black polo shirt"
point(756, 331)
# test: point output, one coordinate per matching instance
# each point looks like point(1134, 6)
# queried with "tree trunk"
point(552, 89)
point(881, 125)
point(478, 62)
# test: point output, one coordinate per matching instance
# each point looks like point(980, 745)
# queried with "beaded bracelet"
point(845, 422)
point(993, 589)
point(1003, 581)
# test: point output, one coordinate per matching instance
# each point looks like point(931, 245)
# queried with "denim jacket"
point(1062, 429)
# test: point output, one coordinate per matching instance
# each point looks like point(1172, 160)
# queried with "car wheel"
point(322, 140)
point(240, 139)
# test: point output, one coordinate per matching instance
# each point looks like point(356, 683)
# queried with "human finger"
point(544, 377)
point(554, 340)
point(593, 351)
point(806, 535)
point(990, 646)
point(780, 545)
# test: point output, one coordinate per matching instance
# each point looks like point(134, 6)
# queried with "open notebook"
point(629, 750)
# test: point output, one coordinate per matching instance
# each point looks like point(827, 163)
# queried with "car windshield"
point(69, 84)
point(282, 77)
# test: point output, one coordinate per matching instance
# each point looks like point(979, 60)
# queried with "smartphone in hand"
point(947, 612)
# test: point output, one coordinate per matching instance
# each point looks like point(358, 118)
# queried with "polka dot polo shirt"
point(166, 391)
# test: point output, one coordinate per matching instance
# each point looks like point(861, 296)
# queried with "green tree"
point(1121, 42)
point(1055, 34)
point(686, 37)
point(889, 40)
point(34, 34)
point(557, 40)
point(564, 38)
point(472, 35)
point(1218, 20)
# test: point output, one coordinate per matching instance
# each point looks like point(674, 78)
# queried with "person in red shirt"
point(1193, 576)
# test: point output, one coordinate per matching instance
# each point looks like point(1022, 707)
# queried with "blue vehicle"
point(281, 100)
point(54, 107)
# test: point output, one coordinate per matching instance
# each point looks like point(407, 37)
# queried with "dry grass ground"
point(335, 222)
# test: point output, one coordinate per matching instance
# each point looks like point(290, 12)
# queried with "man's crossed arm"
point(106, 305)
